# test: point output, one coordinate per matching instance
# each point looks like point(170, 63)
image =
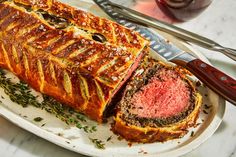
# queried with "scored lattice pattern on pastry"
point(74, 56)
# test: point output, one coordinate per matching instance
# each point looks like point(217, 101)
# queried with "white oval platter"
point(74, 139)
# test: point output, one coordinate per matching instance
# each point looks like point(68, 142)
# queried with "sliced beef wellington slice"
point(159, 103)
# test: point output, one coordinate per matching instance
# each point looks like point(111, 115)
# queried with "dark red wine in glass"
point(183, 10)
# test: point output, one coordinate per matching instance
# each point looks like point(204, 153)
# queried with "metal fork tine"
point(145, 20)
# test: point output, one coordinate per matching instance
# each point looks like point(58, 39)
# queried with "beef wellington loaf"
point(159, 103)
point(74, 56)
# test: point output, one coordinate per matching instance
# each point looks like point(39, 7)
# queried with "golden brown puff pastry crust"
point(66, 62)
point(113, 32)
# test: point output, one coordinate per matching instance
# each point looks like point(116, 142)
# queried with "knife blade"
point(216, 80)
point(185, 35)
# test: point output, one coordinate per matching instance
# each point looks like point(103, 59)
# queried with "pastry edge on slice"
point(132, 132)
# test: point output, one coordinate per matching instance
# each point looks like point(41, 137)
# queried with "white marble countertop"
point(218, 22)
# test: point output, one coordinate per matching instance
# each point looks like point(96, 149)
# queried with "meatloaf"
point(159, 103)
point(74, 56)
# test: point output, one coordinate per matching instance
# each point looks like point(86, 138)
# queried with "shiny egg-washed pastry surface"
point(74, 56)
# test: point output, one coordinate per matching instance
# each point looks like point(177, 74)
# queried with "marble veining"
point(218, 22)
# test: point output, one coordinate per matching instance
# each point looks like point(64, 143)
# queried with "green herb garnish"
point(18, 92)
point(207, 106)
point(109, 138)
point(66, 114)
point(38, 119)
point(192, 134)
point(204, 111)
point(98, 143)
point(21, 94)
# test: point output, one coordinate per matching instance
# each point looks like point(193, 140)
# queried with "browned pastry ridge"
point(136, 122)
point(76, 57)
point(83, 60)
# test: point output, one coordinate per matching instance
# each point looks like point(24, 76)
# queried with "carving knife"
point(216, 80)
point(173, 30)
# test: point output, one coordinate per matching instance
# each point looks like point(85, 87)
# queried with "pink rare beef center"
point(161, 98)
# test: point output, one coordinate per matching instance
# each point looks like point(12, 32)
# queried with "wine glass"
point(183, 10)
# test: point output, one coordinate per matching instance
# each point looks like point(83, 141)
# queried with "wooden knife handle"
point(214, 79)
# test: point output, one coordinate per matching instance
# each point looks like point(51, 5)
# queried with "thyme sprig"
point(18, 92)
point(98, 143)
point(38, 119)
point(21, 94)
